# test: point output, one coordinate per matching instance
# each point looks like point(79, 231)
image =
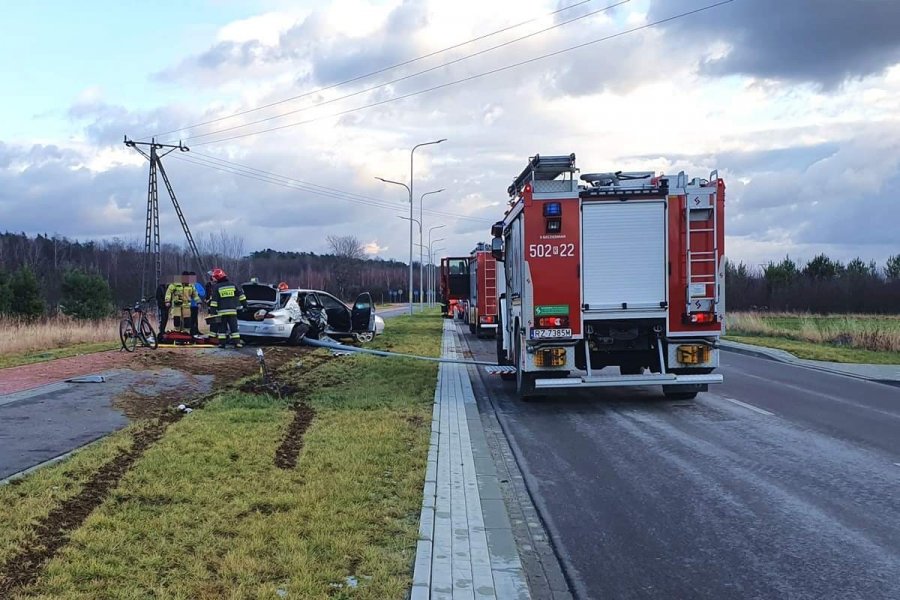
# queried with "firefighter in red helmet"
point(224, 300)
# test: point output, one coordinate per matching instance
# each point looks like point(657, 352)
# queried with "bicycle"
point(130, 335)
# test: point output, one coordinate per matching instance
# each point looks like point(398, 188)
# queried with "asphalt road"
point(45, 423)
point(783, 482)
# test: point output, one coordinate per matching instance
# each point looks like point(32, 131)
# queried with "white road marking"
point(898, 464)
point(749, 406)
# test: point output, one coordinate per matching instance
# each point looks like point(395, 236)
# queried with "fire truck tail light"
point(550, 322)
point(486, 318)
point(550, 357)
point(702, 318)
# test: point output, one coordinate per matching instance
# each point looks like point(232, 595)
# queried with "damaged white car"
point(289, 315)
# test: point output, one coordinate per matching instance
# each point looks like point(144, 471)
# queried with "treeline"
point(822, 285)
point(115, 268)
point(50, 274)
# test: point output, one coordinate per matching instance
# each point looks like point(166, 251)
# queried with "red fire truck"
point(481, 310)
point(454, 285)
point(621, 270)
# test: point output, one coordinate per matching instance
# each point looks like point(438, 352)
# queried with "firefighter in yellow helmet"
point(178, 300)
point(224, 300)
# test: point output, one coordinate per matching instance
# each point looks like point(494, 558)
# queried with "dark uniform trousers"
point(225, 299)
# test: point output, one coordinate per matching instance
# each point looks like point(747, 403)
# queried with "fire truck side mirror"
point(497, 229)
point(497, 248)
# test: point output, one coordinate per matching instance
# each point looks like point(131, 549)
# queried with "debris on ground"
point(87, 379)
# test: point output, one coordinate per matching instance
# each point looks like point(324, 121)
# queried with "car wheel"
point(364, 337)
point(297, 335)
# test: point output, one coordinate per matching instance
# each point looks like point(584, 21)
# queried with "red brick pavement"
point(26, 377)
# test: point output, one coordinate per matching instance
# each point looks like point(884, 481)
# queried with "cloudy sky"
point(292, 109)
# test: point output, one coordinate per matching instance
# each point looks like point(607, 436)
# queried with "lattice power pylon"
point(151, 232)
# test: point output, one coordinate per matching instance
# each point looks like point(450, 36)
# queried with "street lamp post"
point(419, 223)
point(431, 258)
point(431, 262)
point(410, 188)
point(434, 278)
point(410, 236)
point(421, 249)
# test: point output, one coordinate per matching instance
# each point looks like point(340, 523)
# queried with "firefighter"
point(162, 308)
point(195, 305)
point(179, 296)
point(212, 320)
point(224, 301)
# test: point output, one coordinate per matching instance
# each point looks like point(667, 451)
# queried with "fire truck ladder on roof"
point(700, 210)
point(490, 286)
point(542, 168)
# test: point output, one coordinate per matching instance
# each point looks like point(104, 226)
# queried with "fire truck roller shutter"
point(624, 248)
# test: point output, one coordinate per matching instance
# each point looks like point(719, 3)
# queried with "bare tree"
point(346, 246)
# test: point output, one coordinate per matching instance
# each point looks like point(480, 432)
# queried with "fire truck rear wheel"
point(524, 381)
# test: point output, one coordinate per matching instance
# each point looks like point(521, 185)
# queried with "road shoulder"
point(887, 374)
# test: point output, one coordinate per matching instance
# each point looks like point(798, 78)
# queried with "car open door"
point(362, 316)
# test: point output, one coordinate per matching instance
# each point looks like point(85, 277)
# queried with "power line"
point(290, 183)
point(411, 75)
point(373, 73)
point(211, 158)
point(473, 77)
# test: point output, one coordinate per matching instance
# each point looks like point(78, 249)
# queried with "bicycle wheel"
point(148, 335)
point(127, 335)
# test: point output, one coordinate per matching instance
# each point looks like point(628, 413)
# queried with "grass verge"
point(879, 333)
point(207, 512)
point(816, 351)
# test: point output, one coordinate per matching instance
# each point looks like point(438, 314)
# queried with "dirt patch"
point(52, 532)
point(287, 453)
point(415, 421)
point(224, 366)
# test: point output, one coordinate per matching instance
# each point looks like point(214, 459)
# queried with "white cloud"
point(788, 149)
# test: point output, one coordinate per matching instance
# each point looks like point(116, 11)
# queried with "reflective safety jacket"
point(225, 298)
point(181, 294)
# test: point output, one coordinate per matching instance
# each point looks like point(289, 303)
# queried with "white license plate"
point(550, 333)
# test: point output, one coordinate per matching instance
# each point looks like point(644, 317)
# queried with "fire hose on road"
point(332, 345)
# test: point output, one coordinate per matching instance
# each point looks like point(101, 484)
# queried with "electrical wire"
point(473, 77)
point(409, 76)
point(290, 183)
point(370, 74)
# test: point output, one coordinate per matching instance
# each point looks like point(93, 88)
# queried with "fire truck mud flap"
point(687, 383)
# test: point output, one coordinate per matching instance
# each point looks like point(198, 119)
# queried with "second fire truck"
point(610, 279)
point(481, 309)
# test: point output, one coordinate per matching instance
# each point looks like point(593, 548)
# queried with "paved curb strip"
point(887, 374)
point(466, 547)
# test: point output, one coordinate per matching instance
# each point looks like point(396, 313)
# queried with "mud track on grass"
point(288, 451)
point(52, 532)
